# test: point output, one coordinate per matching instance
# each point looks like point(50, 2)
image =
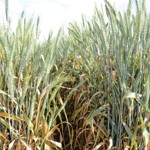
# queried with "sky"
point(55, 13)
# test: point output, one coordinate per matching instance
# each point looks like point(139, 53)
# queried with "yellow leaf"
point(113, 76)
point(2, 137)
point(44, 127)
point(51, 132)
point(6, 115)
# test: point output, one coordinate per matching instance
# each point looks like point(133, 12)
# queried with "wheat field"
point(88, 89)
